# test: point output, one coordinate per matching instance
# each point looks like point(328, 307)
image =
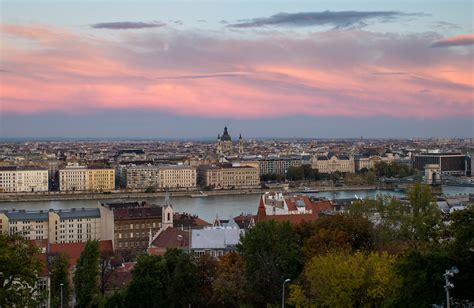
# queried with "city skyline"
point(184, 70)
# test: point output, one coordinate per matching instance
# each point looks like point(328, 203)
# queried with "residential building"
point(23, 179)
point(135, 223)
point(278, 165)
point(296, 208)
point(228, 176)
point(59, 226)
point(177, 177)
point(216, 241)
point(82, 178)
point(142, 177)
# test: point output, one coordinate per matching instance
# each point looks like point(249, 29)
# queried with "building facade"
point(278, 165)
point(331, 163)
point(177, 177)
point(228, 176)
point(449, 163)
point(142, 177)
point(82, 178)
point(58, 226)
point(16, 179)
point(135, 223)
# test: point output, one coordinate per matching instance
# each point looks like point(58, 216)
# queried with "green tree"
point(20, 267)
point(341, 279)
point(421, 275)
point(86, 276)
point(59, 272)
point(229, 285)
point(182, 288)
point(462, 252)
point(148, 287)
point(271, 254)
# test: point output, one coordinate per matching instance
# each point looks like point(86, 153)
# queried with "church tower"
point(241, 145)
point(219, 145)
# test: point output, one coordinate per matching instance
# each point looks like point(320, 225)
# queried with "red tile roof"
point(74, 250)
point(169, 238)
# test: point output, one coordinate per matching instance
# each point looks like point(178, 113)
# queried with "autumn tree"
point(206, 266)
point(271, 254)
point(229, 285)
point(20, 267)
point(86, 275)
point(341, 279)
point(59, 271)
point(353, 232)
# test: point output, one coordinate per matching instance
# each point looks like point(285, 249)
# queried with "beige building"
point(366, 162)
point(278, 165)
point(177, 176)
point(82, 178)
point(227, 176)
point(16, 179)
point(332, 163)
point(59, 226)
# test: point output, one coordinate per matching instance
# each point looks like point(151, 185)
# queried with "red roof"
point(169, 238)
point(74, 250)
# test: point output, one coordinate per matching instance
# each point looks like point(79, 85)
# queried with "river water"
point(223, 206)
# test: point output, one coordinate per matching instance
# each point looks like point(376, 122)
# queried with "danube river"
point(208, 208)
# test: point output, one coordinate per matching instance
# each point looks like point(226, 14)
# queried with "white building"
point(331, 163)
point(59, 226)
point(14, 179)
point(216, 241)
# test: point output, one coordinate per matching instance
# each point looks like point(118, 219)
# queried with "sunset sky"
point(157, 69)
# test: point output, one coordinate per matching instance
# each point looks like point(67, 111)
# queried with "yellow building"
point(81, 178)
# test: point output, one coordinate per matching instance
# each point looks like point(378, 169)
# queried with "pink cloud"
point(236, 78)
point(460, 40)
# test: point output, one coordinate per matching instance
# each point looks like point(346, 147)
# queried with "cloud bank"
point(124, 25)
point(351, 73)
point(338, 20)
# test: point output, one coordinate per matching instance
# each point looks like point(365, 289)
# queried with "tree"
point(421, 277)
point(206, 275)
point(86, 275)
point(60, 275)
point(229, 285)
point(342, 279)
point(271, 254)
point(461, 249)
point(106, 265)
point(352, 232)
point(20, 267)
point(148, 287)
point(183, 272)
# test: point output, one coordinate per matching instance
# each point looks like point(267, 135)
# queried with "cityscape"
point(235, 154)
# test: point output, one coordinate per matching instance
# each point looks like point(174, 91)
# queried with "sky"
point(178, 69)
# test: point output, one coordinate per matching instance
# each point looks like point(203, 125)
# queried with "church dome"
point(225, 135)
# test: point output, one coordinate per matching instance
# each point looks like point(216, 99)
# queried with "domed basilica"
point(224, 145)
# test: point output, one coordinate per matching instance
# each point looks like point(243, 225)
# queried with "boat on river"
point(199, 195)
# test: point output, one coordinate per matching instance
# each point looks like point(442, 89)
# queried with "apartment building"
point(16, 179)
point(278, 165)
point(228, 176)
point(177, 176)
point(142, 177)
point(82, 178)
point(59, 226)
point(135, 223)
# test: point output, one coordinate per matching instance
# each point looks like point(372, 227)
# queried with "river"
point(208, 208)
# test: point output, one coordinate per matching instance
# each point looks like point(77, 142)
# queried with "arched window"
point(169, 216)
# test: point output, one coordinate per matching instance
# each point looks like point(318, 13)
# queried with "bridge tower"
point(432, 174)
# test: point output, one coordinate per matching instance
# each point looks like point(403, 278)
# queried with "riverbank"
point(64, 196)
